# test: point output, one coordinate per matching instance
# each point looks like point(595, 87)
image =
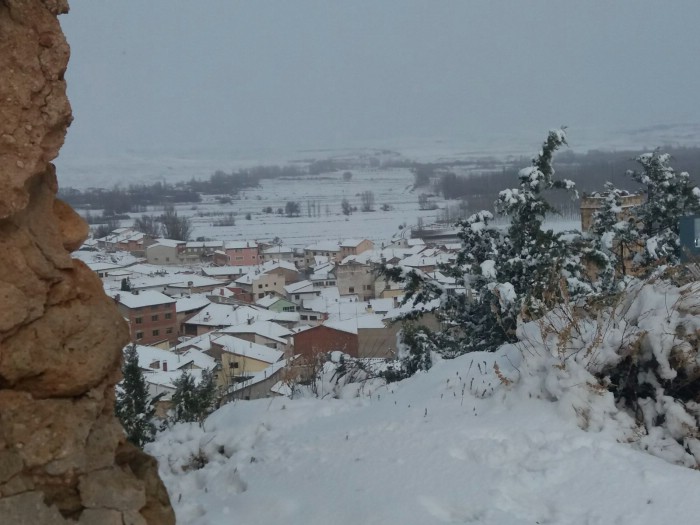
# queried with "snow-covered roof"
point(305, 286)
point(248, 278)
point(351, 243)
point(248, 349)
point(188, 304)
point(415, 242)
point(269, 300)
point(266, 329)
point(328, 300)
point(201, 342)
point(379, 256)
point(228, 315)
point(195, 281)
point(323, 246)
point(283, 317)
point(381, 305)
point(118, 258)
point(199, 359)
point(301, 328)
point(155, 269)
point(239, 245)
point(154, 358)
point(122, 235)
point(221, 292)
point(261, 376)
point(277, 250)
point(102, 266)
point(170, 243)
point(143, 298)
point(224, 271)
point(348, 325)
point(277, 264)
point(358, 320)
point(204, 244)
point(426, 258)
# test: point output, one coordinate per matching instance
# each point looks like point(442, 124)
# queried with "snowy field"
point(325, 193)
point(322, 194)
point(453, 445)
point(389, 186)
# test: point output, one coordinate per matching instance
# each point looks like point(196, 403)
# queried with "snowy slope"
point(453, 445)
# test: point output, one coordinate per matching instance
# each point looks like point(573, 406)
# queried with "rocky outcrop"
point(63, 457)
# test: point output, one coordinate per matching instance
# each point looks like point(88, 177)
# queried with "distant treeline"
point(590, 171)
point(137, 197)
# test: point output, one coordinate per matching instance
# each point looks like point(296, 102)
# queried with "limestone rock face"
point(63, 456)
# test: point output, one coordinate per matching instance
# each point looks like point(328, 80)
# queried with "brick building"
point(323, 339)
point(151, 316)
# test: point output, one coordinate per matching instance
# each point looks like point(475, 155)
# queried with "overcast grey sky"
point(190, 76)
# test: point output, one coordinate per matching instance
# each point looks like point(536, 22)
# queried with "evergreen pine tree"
point(206, 392)
point(520, 271)
point(670, 195)
point(614, 238)
point(193, 402)
point(133, 406)
point(185, 407)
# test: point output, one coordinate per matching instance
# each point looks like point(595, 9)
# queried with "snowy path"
point(418, 453)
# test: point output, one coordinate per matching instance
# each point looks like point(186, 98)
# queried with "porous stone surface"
point(63, 456)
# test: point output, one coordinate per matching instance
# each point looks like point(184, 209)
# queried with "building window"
point(351, 289)
point(139, 335)
point(154, 317)
point(260, 286)
point(156, 332)
point(261, 295)
point(168, 330)
point(154, 307)
point(138, 320)
point(168, 316)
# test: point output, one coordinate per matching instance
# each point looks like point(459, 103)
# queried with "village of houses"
point(257, 315)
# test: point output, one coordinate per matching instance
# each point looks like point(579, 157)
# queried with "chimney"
point(165, 366)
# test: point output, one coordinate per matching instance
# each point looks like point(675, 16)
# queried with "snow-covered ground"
point(325, 193)
point(321, 217)
point(453, 445)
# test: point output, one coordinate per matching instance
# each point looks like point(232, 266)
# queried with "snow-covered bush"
point(337, 375)
point(632, 367)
